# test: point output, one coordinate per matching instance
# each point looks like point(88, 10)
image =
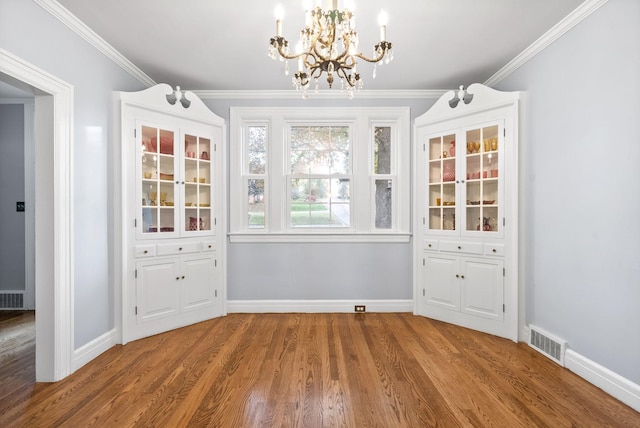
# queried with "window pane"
point(382, 150)
point(257, 149)
point(319, 150)
point(320, 202)
point(256, 204)
point(383, 204)
point(340, 138)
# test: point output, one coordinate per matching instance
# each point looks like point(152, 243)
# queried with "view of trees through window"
point(257, 168)
point(383, 186)
point(319, 180)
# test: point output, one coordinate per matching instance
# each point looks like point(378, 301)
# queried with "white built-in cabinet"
point(466, 210)
point(171, 212)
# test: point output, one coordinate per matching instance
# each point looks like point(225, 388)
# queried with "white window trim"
point(362, 227)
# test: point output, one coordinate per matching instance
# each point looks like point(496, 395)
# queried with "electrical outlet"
point(360, 308)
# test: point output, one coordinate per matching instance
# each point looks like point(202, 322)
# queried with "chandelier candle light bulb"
point(328, 45)
point(279, 15)
point(383, 20)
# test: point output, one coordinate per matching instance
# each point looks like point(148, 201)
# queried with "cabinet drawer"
point(461, 247)
point(178, 248)
point(430, 244)
point(494, 249)
point(208, 245)
point(145, 251)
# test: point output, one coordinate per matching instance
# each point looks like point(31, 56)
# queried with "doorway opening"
point(52, 135)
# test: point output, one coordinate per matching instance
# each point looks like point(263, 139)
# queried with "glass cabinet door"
point(482, 174)
point(441, 167)
point(197, 183)
point(157, 174)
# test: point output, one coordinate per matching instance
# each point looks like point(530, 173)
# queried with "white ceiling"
point(222, 45)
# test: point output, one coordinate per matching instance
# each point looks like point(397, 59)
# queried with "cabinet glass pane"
point(157, 175)
point(441, 178)
point(482, 170)
point(197, 185)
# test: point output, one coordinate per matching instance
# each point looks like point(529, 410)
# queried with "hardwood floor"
point(306, 370)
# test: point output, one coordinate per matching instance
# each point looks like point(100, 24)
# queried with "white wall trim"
point(319, 237)
point(91, 350)
point(317, 306)
point(612, 383)
point(566, 24)
point(321, 94)
point(30, 204)
point(79, 27)
point(54, 290)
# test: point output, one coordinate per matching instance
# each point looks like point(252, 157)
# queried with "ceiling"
point(222, 45)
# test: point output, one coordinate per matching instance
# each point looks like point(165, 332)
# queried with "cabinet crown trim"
point(457, 103)
point(175, 102)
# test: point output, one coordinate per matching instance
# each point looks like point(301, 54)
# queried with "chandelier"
point(328, 44)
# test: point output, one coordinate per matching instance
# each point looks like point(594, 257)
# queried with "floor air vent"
point(547, 344)
point(11, 300)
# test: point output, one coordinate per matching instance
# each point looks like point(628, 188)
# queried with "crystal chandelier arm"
point(280, 43)
point(382, 47)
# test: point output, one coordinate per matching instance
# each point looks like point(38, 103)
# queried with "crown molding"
point(566, 24)
point(79, 27)
point(321, 94)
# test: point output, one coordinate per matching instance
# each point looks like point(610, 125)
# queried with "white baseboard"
point(612, 383)
point(91, 350)
point(317, 306)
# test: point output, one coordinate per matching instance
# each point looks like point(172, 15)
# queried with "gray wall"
point(319, 271)
point(31, 33)
point(583, 157)
point(12, 238)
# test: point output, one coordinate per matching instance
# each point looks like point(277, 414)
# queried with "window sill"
point(320, 237)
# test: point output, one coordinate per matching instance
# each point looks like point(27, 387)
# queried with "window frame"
point(362, 123)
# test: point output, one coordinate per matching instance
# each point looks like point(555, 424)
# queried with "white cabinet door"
point(467, 291)
point(441, 286)
point(174, 291)
point(157, 289)
point(482, 285)
point(198, 287)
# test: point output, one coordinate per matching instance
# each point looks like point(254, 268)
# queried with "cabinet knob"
point(210, 247)
point(177, 278)
point(494, 250)
point(182, 276)
point(183, 182)
point(462, 276)
point(177, 182)
point(146, 251)
point(459, 247)
point(180, 249)
point(429, 245)
point(457, 276)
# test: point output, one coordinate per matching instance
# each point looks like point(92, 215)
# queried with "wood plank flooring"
point(305, 370)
